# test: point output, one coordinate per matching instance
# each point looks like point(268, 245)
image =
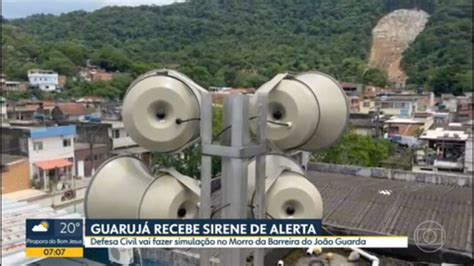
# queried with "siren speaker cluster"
point(289, 194)
point(124, 188)
point(308, 111)
point(161, 110)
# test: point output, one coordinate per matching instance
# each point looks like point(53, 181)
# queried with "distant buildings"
point(29, 110)
point(8, 86)
point(446, 149)
point(45, 80)
point(465, 108)
point(93, 74)
point(405, 131)
point(50, 151)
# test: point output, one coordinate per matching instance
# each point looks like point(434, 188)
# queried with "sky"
point(23, 8)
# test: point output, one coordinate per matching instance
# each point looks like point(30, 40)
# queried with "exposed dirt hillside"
point(392, 35)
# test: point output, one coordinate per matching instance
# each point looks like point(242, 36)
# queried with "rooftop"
point(451, 132)
point(41, 71)
point(72, 108)
point(399, 120)
point(376, 206)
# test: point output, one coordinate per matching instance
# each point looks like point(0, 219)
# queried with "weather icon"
point(41, 227)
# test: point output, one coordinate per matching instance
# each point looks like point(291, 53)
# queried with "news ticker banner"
point(68, 237)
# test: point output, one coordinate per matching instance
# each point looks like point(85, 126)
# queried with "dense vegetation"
point(235, 43)
point(441, 57)
point(216, 44)
point(355, 149)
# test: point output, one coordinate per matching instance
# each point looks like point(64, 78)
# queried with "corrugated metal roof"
point(389, 207)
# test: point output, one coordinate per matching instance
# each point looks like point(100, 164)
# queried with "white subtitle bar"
point(247, 242)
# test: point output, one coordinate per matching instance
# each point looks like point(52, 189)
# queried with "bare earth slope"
point(392, 35)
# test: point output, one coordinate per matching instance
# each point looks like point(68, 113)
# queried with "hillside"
point(441, 56)
point(392, 35)
point(219, 44)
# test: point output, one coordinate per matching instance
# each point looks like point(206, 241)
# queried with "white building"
point(50, 151)
point(447, 149)
point(45, 80)
point(119, 136)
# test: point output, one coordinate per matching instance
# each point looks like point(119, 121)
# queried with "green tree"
point(376, 77)
point(74, 51)
point(358, 150)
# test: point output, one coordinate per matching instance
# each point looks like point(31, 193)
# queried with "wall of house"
point(397, 108)
point(123, 140)
point(403, 129)
point(16, 177)
point(468, 161)
point(99, 155)
point(364, 131)
point(3, 110)
point(45, 82)
point(52, 149)
point(366, 106)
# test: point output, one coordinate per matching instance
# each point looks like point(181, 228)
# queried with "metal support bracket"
point(233, 151)
point(190, 183)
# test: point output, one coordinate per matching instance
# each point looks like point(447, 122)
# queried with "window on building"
point(366, 104)
point(38, 146)
point(66, 142)
point(116, 134)
point(95, 157)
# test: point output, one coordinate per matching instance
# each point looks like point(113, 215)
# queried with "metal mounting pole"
point(235, 151)
point(206, 168)
point(260, 174)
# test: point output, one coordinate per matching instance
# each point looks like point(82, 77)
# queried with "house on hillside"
point(45, 80)
point(30, 110)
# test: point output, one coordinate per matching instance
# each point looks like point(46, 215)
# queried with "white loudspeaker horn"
point(289, 194)
point(124, 188)
point(308, 111)
point(161, 110)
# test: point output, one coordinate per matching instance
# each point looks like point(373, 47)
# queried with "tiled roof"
point(52, 164)
point(377, 206)
point(72, 108)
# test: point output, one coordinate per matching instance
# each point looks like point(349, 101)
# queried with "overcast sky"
point(23, 8)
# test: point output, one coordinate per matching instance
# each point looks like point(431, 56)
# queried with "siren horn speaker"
point(289, 194)
point(161, 110)
point(308, 111)
point(124, 188)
